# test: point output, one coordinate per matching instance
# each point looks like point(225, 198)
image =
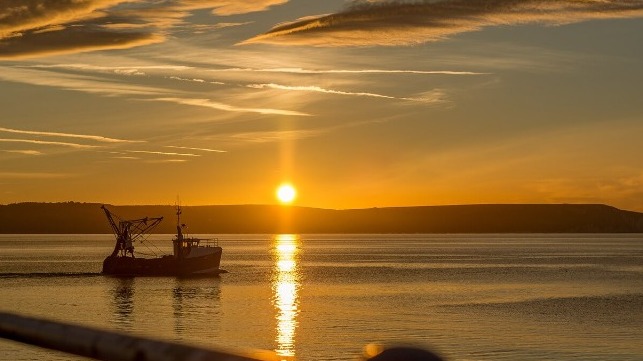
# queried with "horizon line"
point(322, 208)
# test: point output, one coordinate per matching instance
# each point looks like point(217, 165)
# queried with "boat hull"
point(164, 266)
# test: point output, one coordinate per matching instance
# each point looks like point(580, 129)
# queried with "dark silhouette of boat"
point(192, 256)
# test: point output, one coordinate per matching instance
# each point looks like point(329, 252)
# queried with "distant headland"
point(73, 217)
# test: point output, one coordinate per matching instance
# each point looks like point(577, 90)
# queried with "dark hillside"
point(73, 217)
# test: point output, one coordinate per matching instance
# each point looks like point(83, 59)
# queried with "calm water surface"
point(323, 297)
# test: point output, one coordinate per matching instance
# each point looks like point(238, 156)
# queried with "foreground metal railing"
point(113, 346)
point(104, 345)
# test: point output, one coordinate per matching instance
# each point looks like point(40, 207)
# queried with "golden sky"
point(356, 103)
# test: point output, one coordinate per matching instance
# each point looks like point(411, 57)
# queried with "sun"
point(286, 193)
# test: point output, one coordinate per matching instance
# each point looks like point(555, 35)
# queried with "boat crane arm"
point(135, 227)
point(128, 231)
point(112, 223)
point(139, 227)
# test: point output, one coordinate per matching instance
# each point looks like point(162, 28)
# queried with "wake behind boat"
point(192, 256)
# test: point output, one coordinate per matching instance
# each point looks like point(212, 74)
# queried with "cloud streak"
point(408, 23)
point(346, 71)
point(94, 85)
point(196, 80)
point(36, 28)
point(126, 70)
point(230, 108)
point(199, 149)
point(166, 161)
point(295, 134)
point(317, 89)
point(278, 135)
point(25, 152)
point(24, 15)
point(44, 142)
point(97, 138)
point(76, 82)
point(163, 153)
point(32, 175)
point(72, 40)
point(228, 7)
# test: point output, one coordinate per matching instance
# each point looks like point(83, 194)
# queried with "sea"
point(327, 297)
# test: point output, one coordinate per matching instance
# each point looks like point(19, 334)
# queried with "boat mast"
point(179, 226)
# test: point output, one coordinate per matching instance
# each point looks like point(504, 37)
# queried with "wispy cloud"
point(280, 135)
point(25, 152)
point(295, 134)
point(163, 153)
point(202, 28)
point(317, 89)
point(97, 85)
point(77, 82)
point(399, 22)
point(127, 70)
point(134, 70)
point(230, 108)
point(196, 80)
point(132, 155)
point(97, 138)
point(23, 15)
point(71, 40)
point(346, 71)
point(166, 161)
point(200, 149)
point(44, 142)
point(35, 28)
point(232, 7)
point(32, 175)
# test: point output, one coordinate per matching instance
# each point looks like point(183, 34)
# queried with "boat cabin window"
point(190, 243)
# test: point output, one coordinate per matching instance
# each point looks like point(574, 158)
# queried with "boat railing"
point(202, 242)
point(102, 344)
point(210, 242)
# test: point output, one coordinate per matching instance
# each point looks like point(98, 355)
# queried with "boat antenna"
point(179, 226)
point(178, 211)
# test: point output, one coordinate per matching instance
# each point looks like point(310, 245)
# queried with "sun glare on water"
point(286, 193)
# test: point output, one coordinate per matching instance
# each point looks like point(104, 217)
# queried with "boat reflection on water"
point(285, 285)
point(123, 302)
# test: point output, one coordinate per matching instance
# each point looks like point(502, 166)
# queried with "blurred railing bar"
point(103, 345)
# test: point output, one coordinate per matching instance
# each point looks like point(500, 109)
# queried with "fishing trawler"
point(192, 256)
